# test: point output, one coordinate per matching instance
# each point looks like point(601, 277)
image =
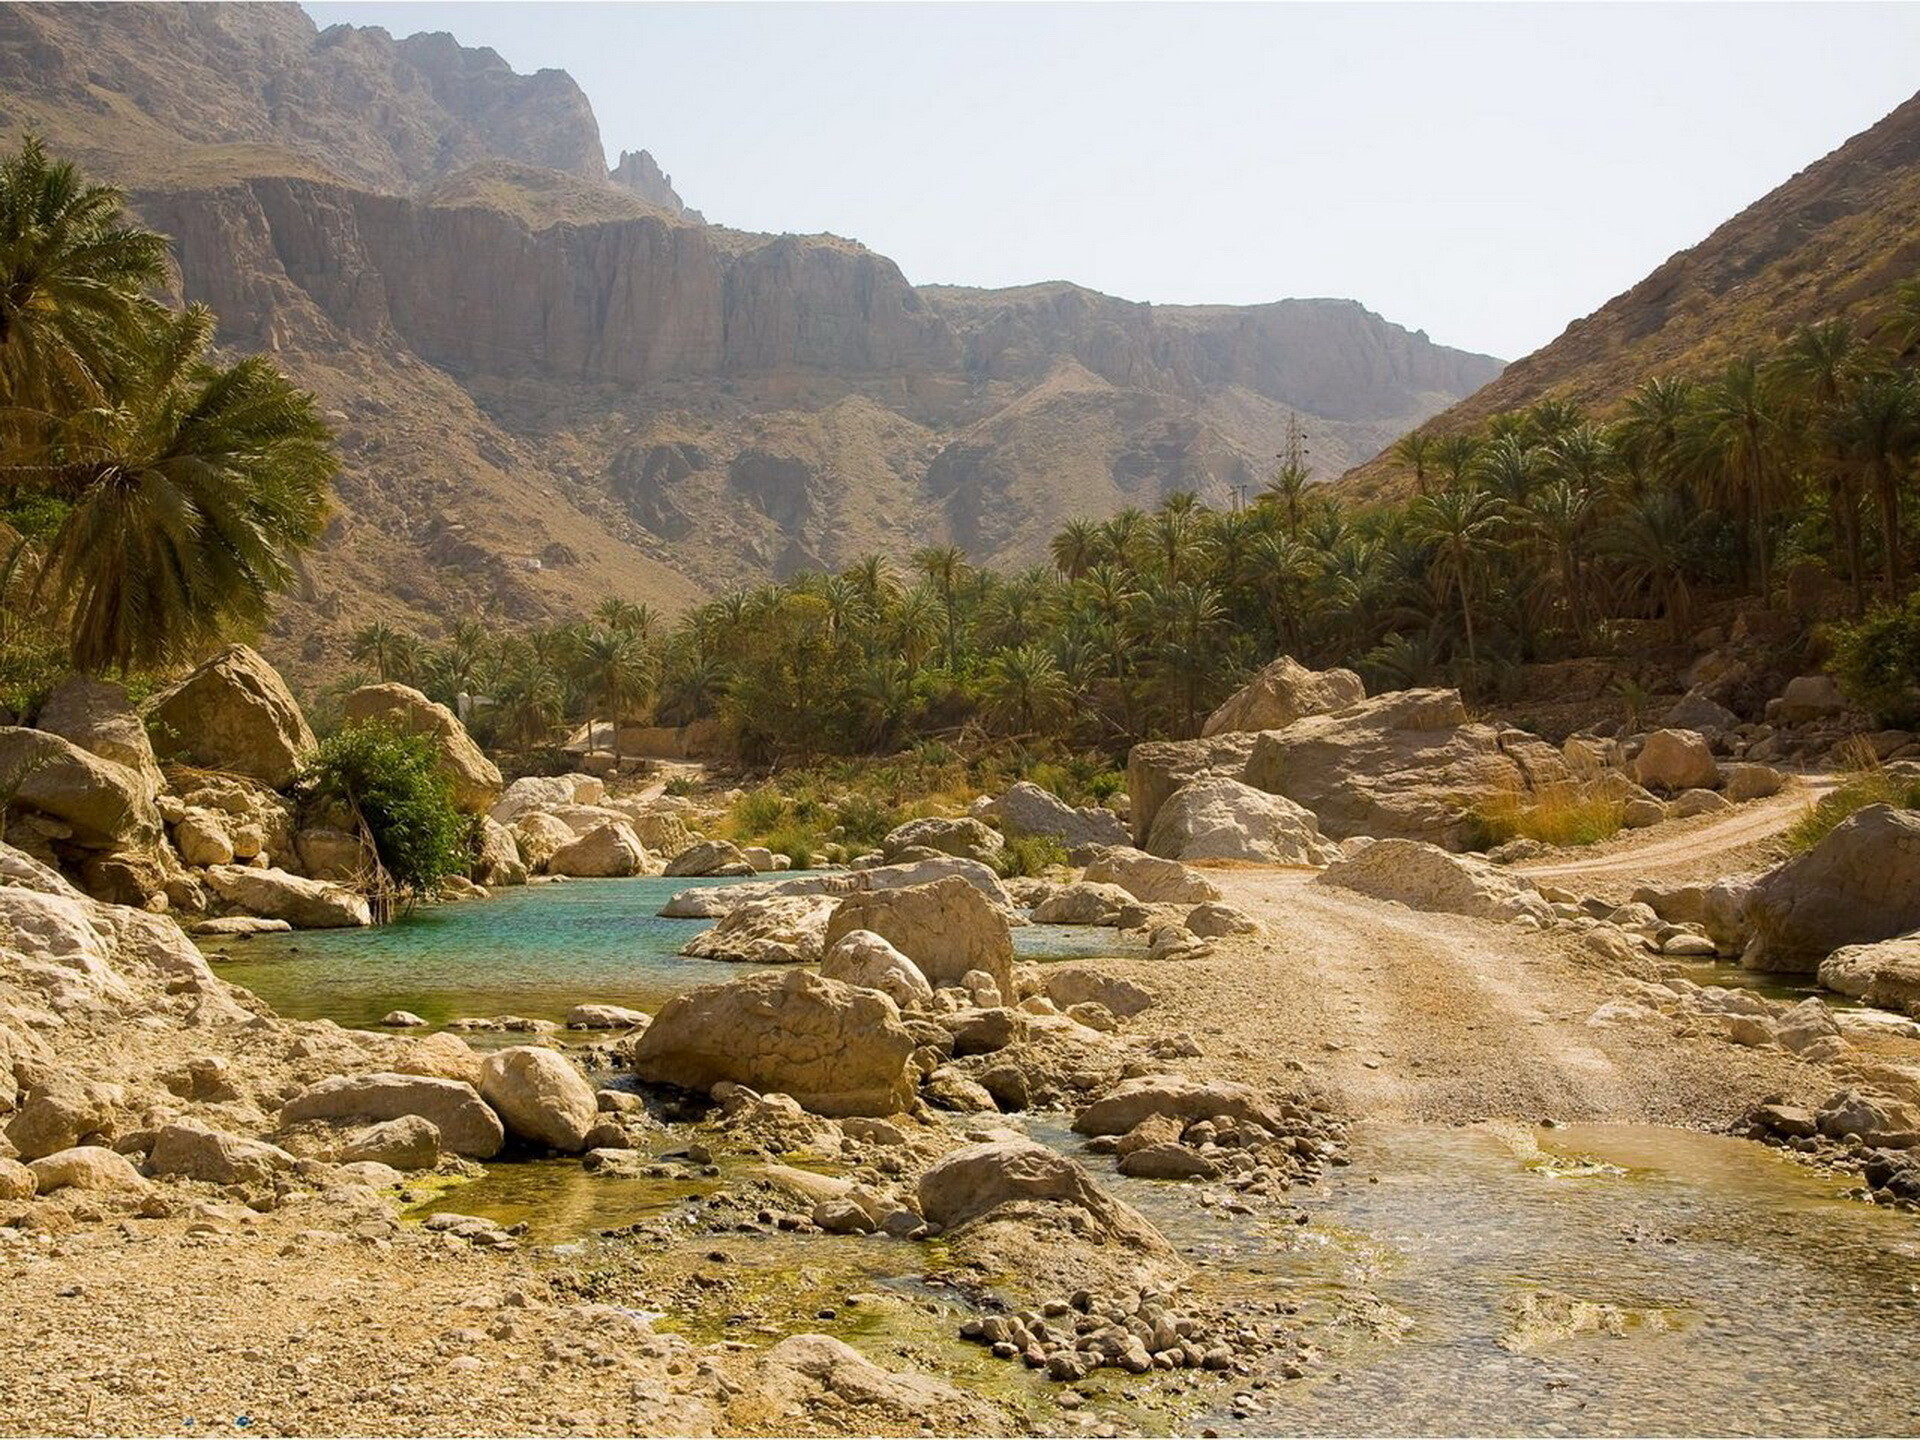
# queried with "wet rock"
point(540, 1096)
point(836, 1049)
point(467, 1125)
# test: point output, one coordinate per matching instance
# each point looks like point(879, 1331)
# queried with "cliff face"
point(552, 383)
point(1833, 240)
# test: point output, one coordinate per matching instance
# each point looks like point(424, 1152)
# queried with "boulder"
point(1807, 699)
point(960, 835)
point(55, 1113)
point(87, 1167)
point(974, 1182)
point(1696, 710)
point(1217, 818)
point(1896, 986)
point(1085, 902)
point(835, 1048)
point(497, 855)
point(1282, 693)
point(1859, 884)
point(201, 838)
point(97, 716)
point(101, 805)
point(777, 930)
point(1069, 985)
point(1675, 760)
point(1406, 765)
point(233, 713)
point(611, 851)
point(662, 832)
point(467, 1125)
point(17, 1182)
point(1689, 803)
point(474, 779)
point(410, 1142)
point(444, 1056)
point(540, 1096)
point(540, 837)
point(1425, 877)
point(1027, 809)
point(332, 855)
point(200, 1152)
point(1214, 919)
point(946, 928)
point(302, 903)
point(606, 1017)
point(1851, 969)
point(1186, 1100)
point(863, 958)
point(1152, 879)
point(546, 792)
point(1748, 781)
point(1157, 768)
point(710, 857)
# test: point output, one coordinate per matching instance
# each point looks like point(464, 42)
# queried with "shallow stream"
point(1592, 1280)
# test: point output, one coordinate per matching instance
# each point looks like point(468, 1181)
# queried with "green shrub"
point(1028, 855)
point(797, 843)
point(758, 811)
point(393, 783)
point(864, 822)
point(682, 785)
point(1877, 661)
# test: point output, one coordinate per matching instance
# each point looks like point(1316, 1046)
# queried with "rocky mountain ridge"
point(554, 382)
point(1833, 240)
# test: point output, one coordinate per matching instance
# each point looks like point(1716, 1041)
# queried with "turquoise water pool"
point(531, 951)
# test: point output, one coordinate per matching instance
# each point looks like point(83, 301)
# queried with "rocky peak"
point(639, 172)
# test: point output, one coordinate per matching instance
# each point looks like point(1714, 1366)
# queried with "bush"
point(1557, 815)
point(1877, 661)
point(1869, 786)
point(393, 783)
point(1028, 855)
point(797, 843)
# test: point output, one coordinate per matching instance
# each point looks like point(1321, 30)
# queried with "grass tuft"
point(1556, 815)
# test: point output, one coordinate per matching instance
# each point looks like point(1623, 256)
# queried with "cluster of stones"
point(1861, 1134)
point(1136, 1332)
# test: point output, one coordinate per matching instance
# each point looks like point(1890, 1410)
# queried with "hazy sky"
point(1486, 173)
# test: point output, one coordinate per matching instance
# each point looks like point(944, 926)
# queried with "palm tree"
point(73, 290)
point(874, 575)
point(1461, 525)
point(1455, 455)
point(191, 497)
point(1561, 517)
point(1413, 450)
point(613, 669)
point(380, 645)
point(1075, 548)
point(1817, 367)
point(946, 567)
point(1881, 430)
point(1510, 468)
point(1729, 444)
point(1652, 541)
point(1025, 692)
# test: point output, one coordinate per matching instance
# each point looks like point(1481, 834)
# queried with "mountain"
point(1833, 240)
point(554, 382)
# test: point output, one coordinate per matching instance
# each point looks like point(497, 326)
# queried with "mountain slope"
point(555, 383)
point(1833, 240)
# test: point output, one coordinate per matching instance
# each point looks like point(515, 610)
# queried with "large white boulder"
point(776, 930)
point(709, 902)
point(304, 904)
point(835, 1048)
point(611, 850)
point(1859, 884)
point(546, 792)
point(233, 713)
point(1151, 878)
point(467, 1124)
point(540, 1096)
point(947, 928)
point(863, 958)
point(1217, 818)
point(951, 835)
point(1676, 760)
point(1282, 693)
point(1028, 809)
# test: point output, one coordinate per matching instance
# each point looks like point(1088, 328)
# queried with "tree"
point(192, 496)
point(946, 567)
point(613, 669)
point(1729, 444)
point(1817, 368)
point(74, 277)
point(1413, 450)
point(1025, 692)
point(1880, 428)
point(384, 648)
point(1460, 525)
point(1075, 548)
point(392, 783)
